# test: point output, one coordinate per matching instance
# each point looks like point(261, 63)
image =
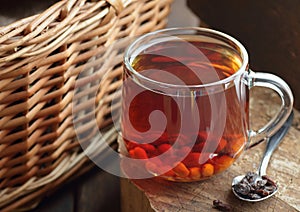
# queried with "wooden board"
point(159, 195)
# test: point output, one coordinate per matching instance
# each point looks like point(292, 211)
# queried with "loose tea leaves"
point(221, 206)
point(253, 186)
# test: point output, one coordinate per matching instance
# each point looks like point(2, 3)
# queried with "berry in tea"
point(203, 129)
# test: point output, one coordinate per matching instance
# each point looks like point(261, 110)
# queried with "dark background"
point(270, 30)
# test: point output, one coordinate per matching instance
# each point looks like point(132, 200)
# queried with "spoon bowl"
point(239, 178)
point(255, 187)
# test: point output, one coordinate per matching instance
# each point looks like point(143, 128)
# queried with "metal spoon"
point(260, 177)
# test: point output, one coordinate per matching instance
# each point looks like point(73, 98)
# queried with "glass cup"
point(185, 103)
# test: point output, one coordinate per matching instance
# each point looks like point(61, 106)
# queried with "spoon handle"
point(272, 143)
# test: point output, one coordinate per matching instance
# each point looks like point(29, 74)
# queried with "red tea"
point(209, 124)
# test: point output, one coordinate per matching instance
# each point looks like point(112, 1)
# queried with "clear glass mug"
point(185, 103)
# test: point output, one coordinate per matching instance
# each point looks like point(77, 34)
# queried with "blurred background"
point(270, 31)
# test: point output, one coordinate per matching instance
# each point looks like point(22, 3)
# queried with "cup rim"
point(242, 49)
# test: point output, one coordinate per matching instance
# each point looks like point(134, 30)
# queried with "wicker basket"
point(41, 58)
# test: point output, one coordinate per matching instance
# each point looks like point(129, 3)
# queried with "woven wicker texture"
point(41, 59)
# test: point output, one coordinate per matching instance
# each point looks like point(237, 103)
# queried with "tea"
point(166, 105)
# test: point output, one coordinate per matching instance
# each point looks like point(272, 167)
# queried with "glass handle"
point(277, 84)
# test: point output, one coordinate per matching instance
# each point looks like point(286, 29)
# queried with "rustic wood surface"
point(284, 167)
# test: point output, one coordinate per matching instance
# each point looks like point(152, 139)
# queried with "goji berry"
point(148, 148)
point(163, 148)
point(131, 145)
point(222, 162)
point(181, 170)
point(192, 159)
point(140, 153)
point(207, 170)
point(131, 153)
point(195, 173)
